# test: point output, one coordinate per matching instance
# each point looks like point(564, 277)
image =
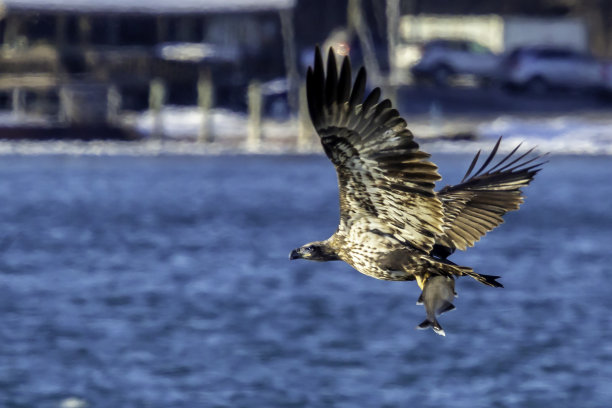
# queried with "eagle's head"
point(315, 251)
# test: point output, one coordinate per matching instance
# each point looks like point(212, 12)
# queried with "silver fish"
point(437, 297)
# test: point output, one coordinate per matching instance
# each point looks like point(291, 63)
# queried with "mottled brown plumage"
point(393, 225)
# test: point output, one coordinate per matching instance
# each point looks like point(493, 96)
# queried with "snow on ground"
point(13, 119)
point(563, 134)
point(567, 134)
point(558, 134)
point(185, 123)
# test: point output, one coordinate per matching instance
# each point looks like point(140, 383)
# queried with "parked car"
point(538, 69)
point(443, 60)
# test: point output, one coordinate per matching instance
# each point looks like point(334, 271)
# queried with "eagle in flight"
point(393, 224)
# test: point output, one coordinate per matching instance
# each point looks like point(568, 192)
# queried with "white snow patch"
point(185, 123)
point(563, 134)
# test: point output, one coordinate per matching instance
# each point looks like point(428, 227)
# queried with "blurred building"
point(82, 60)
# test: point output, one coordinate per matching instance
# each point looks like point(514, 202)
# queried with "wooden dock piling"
point(254, 97)
point(205, 103)
point(157, 98)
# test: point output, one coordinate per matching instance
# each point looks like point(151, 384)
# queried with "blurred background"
point(157, 166)
point(229, 74)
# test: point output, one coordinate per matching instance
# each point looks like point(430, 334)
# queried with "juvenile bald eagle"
point(393, 225)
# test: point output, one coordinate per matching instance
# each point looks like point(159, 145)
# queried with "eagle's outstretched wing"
point(477, 204)
point(382, 174)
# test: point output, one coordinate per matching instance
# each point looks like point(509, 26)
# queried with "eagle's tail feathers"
point(445, 267)
point(489, 280)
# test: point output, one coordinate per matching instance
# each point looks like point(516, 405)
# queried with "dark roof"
point(143, 6)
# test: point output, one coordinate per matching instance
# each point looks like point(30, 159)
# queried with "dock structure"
point(83, 62)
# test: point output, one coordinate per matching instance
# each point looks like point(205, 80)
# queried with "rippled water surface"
point(164, 282)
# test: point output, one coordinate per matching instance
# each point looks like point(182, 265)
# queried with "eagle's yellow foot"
point(421, 280)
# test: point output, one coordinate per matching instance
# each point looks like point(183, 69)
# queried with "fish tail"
point(434, 324)
point(447, 307)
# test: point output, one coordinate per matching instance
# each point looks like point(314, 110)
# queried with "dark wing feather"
point(477, 204)
point(382, 174)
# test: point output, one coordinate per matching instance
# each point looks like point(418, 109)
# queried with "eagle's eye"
point(309, 249)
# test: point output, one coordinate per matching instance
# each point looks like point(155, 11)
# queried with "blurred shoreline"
point(574, 133)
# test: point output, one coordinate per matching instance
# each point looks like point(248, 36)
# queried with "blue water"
point(164, 282)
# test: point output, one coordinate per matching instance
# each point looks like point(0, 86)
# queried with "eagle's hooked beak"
point(295, 254)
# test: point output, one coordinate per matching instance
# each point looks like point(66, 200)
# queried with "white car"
point(443, 60)
point(538, 69)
